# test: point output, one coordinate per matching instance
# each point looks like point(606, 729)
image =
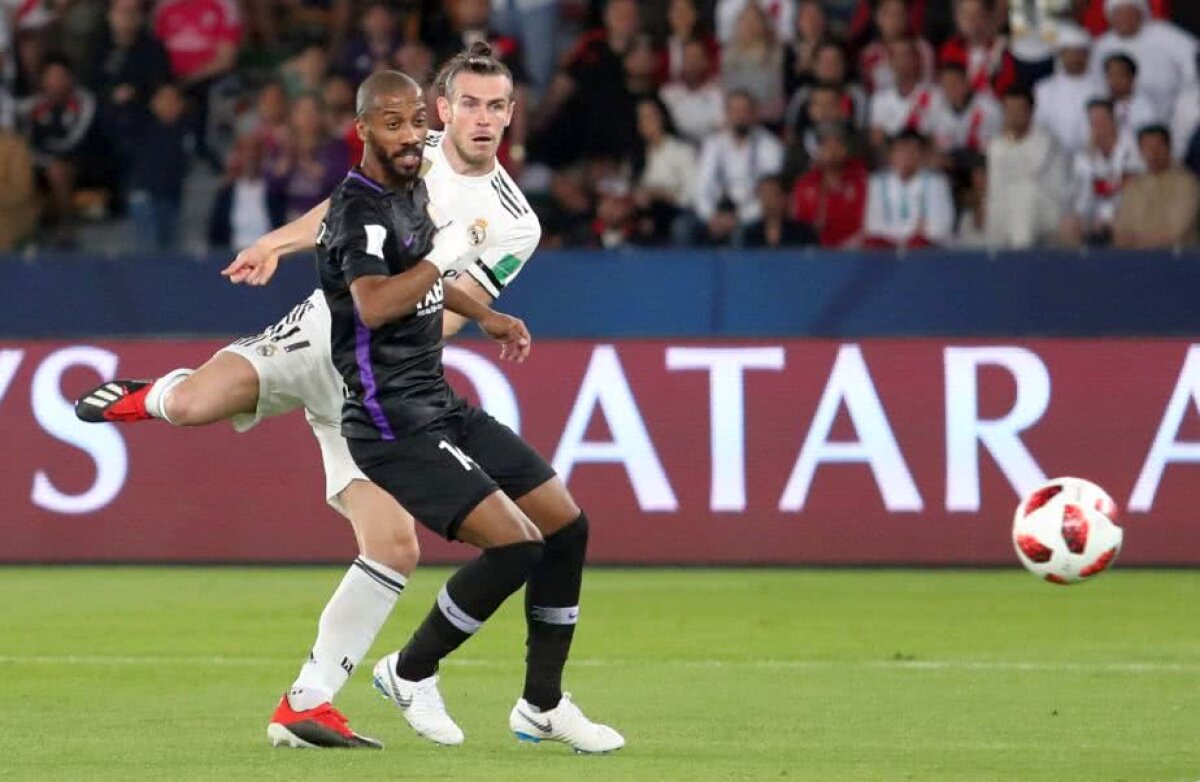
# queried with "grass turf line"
point(160, 673)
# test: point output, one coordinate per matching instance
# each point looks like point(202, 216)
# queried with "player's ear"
point(512, 105)
point(360, 127)
point(443, 109)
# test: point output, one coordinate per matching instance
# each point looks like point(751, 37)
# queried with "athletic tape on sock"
point(553, 615)
point(156, 396)
point(455, 615)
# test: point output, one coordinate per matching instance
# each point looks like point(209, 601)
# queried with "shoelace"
point(434, 702)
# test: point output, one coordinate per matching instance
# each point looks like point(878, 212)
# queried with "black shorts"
point(440, 476)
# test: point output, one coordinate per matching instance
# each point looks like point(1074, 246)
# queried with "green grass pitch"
point(171, 673)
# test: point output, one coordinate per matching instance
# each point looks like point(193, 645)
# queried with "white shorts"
point(295, 370)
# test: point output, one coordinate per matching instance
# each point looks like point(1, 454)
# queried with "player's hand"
point(515, 341)
point(253, 266)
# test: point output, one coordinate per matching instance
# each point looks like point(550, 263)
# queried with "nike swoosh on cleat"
point(544, 728)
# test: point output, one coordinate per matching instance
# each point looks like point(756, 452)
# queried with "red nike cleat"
point(122, 401)
point(316, 728)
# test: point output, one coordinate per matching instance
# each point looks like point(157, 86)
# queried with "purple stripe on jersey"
point(362, 352)
point(366, 180)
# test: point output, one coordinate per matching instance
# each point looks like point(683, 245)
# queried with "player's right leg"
point(456, 498)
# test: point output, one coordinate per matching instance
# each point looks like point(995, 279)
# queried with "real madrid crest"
point(477, 232)
point(266, 351)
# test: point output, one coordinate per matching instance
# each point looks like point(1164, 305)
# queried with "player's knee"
point(573, 536)
point(401, 552)
point(183, 406)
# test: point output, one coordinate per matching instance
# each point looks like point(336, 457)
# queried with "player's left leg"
point(552, 592)
point(358, 608)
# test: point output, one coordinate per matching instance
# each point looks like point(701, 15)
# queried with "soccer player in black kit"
point(461, 473)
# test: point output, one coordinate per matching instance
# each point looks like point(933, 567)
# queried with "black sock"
point(551, 610)
point(466, 601)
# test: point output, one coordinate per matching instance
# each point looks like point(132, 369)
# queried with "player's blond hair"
point(477, 59)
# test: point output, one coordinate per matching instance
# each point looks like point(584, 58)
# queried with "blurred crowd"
point(1004, 124)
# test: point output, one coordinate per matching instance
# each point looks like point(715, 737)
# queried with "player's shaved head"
point(380, 86)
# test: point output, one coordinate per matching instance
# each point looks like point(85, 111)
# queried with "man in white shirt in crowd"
point(908, 205)
point(696, 101)
point(904, 105)
point(782, 14)
point(731, 163)
point(1133, 109)
point(958, 120)
point(1062, 98)
point(1027, 181)
point(1097, 175)
point(1165, 54)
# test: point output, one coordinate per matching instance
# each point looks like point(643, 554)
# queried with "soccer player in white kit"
point(288, 366)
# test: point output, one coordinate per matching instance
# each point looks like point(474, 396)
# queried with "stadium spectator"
point(904, 105)
point(567, 219)
point(269, 120)
point(244, 208)
point(129, 63)
point(781, 16)
point(752, 61)
point(684, 27)
point(979, 49)
point(1158, 209)
point(908, 205)
point(827, 103)
point(970, 232)
point(1133, 108)
point(774, 228)
point(1094, 17)
point(961, 122)
point(668, 176)
point(155, 146)
point(731, 163)
point(371, 48)
point(337, 96)
point(799, 56)
point(831, 66)
point(305, 73)
point(875, 59)
point(534, 24)
point(201, 38)
point(1165, 54)
point(1097, 175)
point(310, 163)
point(18, 202)
point(832, 196)
point(1027, 183)
point(69, 150)
point(575, 120)
point(696, 102)
point(1062, 99)
point(616, 221)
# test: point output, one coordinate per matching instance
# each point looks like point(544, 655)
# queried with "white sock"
point(351, 620)
point(156, 397)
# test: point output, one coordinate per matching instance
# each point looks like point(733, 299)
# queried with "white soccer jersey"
point(496, 203)
point(972, 128)
point(293, 358)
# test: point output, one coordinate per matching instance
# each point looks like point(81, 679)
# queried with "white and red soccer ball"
point(1064, 531)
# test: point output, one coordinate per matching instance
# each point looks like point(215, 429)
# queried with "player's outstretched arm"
point(511, 333)
point(256, 264)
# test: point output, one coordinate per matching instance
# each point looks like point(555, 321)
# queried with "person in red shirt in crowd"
point(977, 47)
point(201, 38)
point(1095, 19)
point(832, 196)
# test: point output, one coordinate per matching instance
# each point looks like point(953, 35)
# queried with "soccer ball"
point(1064, 532)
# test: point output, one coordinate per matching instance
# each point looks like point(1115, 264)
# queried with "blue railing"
point(660, 293)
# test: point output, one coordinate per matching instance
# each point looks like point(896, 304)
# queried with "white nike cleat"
point(565, 723)
point(420, 702)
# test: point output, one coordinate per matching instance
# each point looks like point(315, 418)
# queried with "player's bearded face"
point(475, 113)
point(394, 135)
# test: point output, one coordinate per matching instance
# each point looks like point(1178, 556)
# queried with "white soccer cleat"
point(565, 723)
point(420, 702)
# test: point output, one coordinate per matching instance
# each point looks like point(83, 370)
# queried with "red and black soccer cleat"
point(122, 401)
point(321, 727)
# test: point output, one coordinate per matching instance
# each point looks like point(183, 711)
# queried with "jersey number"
point(454, 451)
